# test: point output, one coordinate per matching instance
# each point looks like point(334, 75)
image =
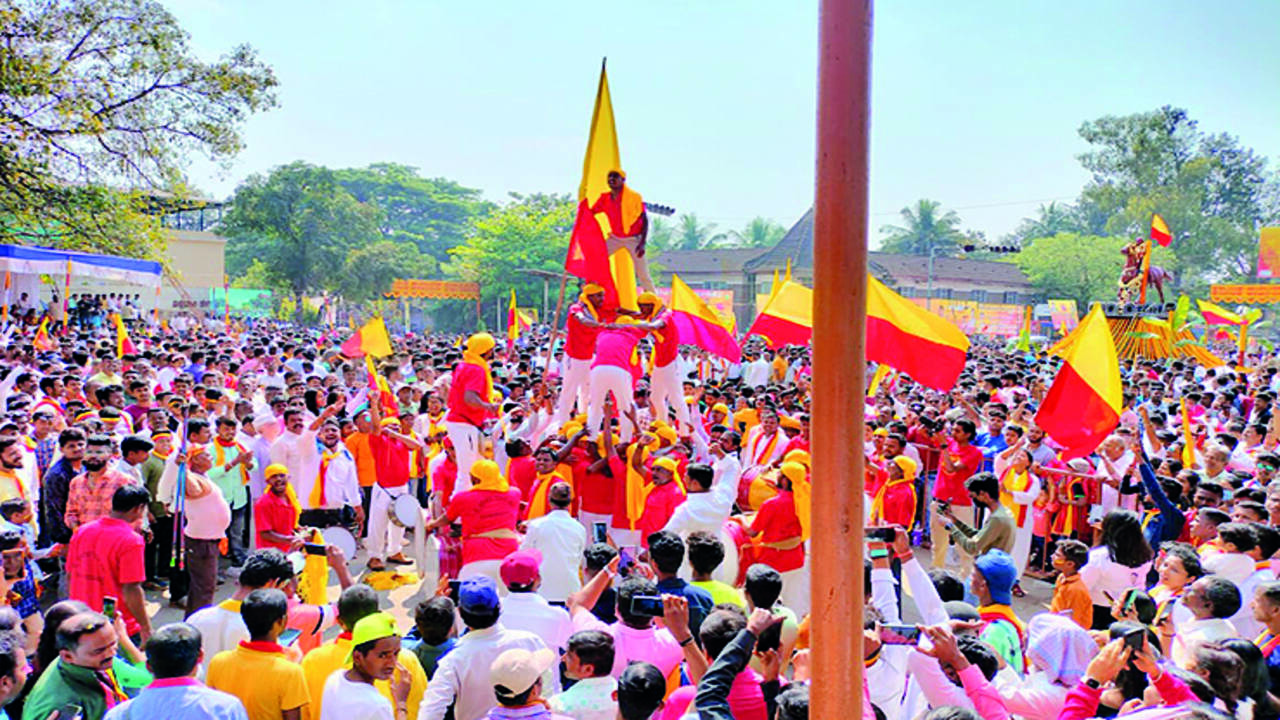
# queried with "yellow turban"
point(480, 343)
point(908, 467)
point(668, 435)
point(788, 422)
point(622, 174)
point(801, 492)
point(570, 429)
point(668, 464)
point(798, 456)
point(389, 421)
point(648, 298)
point(486, 476)
point(274, 470)
point(720, 407)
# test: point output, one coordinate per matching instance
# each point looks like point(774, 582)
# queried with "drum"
point(341, 538)
point(406, 512)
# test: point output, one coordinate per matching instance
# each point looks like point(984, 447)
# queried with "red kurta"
point(777, 522)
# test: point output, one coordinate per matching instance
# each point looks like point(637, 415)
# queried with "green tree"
point(369, 270)
point(1073, 267)
point(925, 226)
point(530, 232)
point(432, 213)
point(1212, 191)
point(300, 223)
point(1049, 220)
point(660, 233)
point(692, 234)
point(759, 233)
point(102, 94)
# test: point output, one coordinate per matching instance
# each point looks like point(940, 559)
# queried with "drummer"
point(334, 496)
point(275, 514)
point(488, 512)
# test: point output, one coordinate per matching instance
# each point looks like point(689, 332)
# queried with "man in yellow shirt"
point(354, 604)
point(258, 672)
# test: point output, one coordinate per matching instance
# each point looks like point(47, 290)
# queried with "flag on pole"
point(1083, 404)
point(788, 275)
point(882, 371)
point(371, 339)
point(697, 324)
point(1215, 314)
point(516, 320)
point(1160, 231)
point(588, 256)
point(124, 346)
point(911, 339)
point(379, 388)
point(42, 341)
point(787, 319)
point(1024, 335)
point(1188, 442)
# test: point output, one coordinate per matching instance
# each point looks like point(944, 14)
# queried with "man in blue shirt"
point(666, 554)
point(173, 654)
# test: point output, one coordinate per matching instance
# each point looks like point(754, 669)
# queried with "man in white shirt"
point(1115, 459)
point(1211, 600)
point(707, 507)
point(756, 372)
point(333, 496)
point(221, 626)
point(524, 608)
point(297, 450)
point(463, 674)
point(560, 539)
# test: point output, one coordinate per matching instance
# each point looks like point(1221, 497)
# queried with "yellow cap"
point(648, 298)
point(798, 456)
point(592, 289)
point(668, 434)
point(480, 343)
point(908, 466)
point(274, 470)
point(373, 627)
point(794, 471)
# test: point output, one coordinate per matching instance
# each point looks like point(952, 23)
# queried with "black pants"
point(202, 569)
point(159, 552)
point(367, 494)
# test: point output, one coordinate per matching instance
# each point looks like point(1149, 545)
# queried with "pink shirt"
point(653, 645)
point(746, 699)
point(614, 347)
point(105, 555)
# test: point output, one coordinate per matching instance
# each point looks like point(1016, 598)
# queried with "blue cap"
point(1000, 572)
point(478, 594)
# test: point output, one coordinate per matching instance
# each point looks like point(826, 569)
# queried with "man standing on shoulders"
point(470, 404)
point(173, 656)
point(582, 325)
point(628, 223)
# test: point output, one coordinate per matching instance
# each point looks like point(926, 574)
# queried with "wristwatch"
point(1091, 682)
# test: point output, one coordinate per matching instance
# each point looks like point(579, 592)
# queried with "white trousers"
point(573, 386)
point(607, 379)
point(466, 448)
point(1022, 543)
point(385, 537)
point(667, 390)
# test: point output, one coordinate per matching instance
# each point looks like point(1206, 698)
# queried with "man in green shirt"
point(82, 673)
point(160, 549)
point(998, 530)
point(706, 552)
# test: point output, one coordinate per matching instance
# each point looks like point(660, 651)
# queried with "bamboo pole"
point(839, 351)
point(555, 325)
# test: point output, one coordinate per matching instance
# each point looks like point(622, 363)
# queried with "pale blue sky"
point(975, 104)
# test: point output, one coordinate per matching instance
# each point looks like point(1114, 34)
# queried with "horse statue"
point(1131, 279)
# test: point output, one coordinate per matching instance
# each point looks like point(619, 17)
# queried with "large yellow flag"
point(601, 157)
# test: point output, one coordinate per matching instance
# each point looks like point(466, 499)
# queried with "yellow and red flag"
point(787, 319)
point(588, 256)
point(124, 346)
point(371, 339)
point(1083, 404)
point(1160, 231)
point(697, 324)
point(912, 340)
point(1215, 314)
point(516, 320)
point(42, 342)
point(1188, 440)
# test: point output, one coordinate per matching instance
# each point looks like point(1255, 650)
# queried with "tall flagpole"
point(839, 355)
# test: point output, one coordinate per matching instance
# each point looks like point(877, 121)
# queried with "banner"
point(1269, 253)
point(1247, 294)
point(976, 318)
point(719, 300)
point(436, 289)
point(244, 301)
point(1064, 315)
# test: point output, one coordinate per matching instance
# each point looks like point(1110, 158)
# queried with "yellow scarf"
point(474, 359)
point(318, 499)
point(636, 492)
point(1017, 482)
point(538, 504)
point(220, 457)
point(801, 495)
point(877, 503)
point(588, 307)
point(631, 205)
point(758, 457)
point(232, 606)
point(312, 586)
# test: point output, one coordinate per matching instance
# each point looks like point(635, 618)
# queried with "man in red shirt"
point(488, 512)
point(666, 387)
point(391, 452)
point(782, 540)
point(581, 327)
point(665, 495)
point(628, 223)
point(470, 404)
point(107, 557)
point(958, 462)
point(275, 517)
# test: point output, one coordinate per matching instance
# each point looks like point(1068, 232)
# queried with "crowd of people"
point(617, 527)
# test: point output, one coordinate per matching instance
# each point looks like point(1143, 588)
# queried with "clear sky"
point(975, 104)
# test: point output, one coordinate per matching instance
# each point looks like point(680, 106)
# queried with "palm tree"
point(694, 235)
point(924, 227)
point(1050, 220)
point(660, 233)
point(760, 232)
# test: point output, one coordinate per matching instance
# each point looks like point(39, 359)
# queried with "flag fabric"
point(124, 346)
point(882, 371)
point(379, 388)
point(1215, 314)
point(42, 342)
point(1024, 335)
point(787, 319)
point(697, 324)
point(516, 320)
point(371, 339)
point(588, 256)
point(1160, 231)
point(1083, 404)
point(1188, 442)
point(911, 339)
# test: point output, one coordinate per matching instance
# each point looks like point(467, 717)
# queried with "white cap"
point(515, 671)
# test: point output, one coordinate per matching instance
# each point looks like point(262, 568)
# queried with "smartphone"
point(600, 531)
point(109, 607)
point(899, 634)
point(289, 636)
point(627, 555)
point(883, 534)
point(15, 563)
point(1134, 638)
point(70, 711)
point(314, 548)
point(1165, 611)
point(454, 586)
point(646, 605)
